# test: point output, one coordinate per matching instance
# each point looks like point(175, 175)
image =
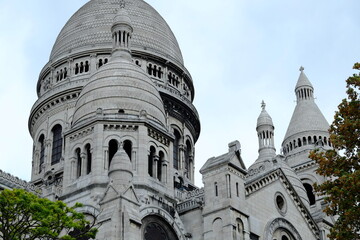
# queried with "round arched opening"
point(156, 228)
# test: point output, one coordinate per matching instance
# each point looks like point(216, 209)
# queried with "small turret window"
point(128, 147)
point(113, 147)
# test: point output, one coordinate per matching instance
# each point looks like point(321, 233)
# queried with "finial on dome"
point(122, 4)
point(263, 105)
point(301, 69)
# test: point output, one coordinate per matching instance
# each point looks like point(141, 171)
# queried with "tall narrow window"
point(216, 189)
point(88, 158)
point(176, 154)
point(113, 147)
point(42, 151)
point(56, 144)
point(228, 185)
point(128, 147)
point(151, 161)
point(187, 158)
point(237, 189)
point(78, 162)
point(159, 165)
point(310, 193)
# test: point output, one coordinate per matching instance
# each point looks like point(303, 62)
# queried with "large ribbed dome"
point(89, 29)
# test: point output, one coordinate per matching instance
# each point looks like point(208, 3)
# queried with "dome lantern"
point(121, 31)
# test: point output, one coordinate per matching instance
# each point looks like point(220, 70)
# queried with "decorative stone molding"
point(158, 136)
point(255, 171)
point(82, 133)
point(47, 106)
point(15, 182)
point(304, 166)
point(120, 127)
point(262, 182)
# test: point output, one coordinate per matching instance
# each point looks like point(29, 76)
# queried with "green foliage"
point(25, 216)
point(341, 166)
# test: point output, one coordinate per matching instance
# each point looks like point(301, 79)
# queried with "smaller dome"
point(122, 17)
point(264, 118)
point(120, 89)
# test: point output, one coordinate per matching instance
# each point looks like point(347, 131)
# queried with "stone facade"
point(114, 128)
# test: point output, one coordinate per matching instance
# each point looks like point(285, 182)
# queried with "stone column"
point(93, 63)
point(83, 164)
point(164, 177)
point(154, 166)
point(181, 156)
point(48, 150)
point(106, 159)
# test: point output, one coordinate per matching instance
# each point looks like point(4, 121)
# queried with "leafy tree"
point(341, 166)
point(25, 216)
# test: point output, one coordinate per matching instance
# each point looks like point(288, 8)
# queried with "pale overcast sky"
point(239, 52)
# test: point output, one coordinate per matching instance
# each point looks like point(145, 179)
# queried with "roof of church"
point(307, 116)
point(90, 26)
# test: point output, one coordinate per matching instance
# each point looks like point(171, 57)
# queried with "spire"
point(122, 33)
point(265, 130)
point(304, 89)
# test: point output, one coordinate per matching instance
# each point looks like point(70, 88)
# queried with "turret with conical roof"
point(308, 126)
point(120, 172)
point(265, 130)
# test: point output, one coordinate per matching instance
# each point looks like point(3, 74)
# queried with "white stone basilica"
point(114, 128)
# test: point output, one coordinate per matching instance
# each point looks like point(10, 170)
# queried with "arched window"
point(128, 147)
point(149, 68)
point(78, 162)
point(56, 144)
point(309, 140)
point(151, 161)
point(88, 158)
point(310, 193)
point(42, 151)
point(76, 68)
point(87, 66)
point(113, 147)
point(159, 165)
point(176, 155)
point(157, 228)
point(239, 229)
point(188, 154)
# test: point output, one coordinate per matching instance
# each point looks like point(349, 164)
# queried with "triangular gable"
point(131, 195)
point(110, 193)
point(277, 175)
